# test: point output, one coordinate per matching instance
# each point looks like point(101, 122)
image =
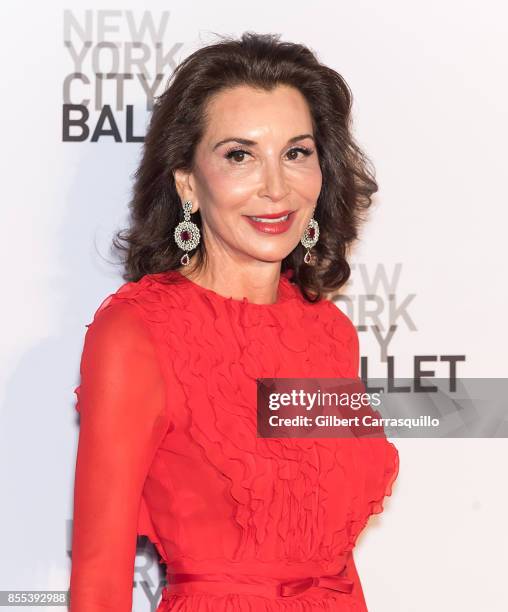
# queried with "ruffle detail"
point(76, 401)
point(281, 488)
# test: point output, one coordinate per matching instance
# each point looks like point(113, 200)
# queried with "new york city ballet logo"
point(118, 61)
point(379, 307)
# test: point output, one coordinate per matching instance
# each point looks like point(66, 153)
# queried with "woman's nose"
point(274, 183)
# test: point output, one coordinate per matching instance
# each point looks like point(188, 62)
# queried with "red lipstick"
point(272, 227)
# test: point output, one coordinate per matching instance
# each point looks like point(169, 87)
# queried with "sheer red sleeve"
point(123, 418)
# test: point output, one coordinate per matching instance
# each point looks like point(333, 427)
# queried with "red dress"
point(168, 449)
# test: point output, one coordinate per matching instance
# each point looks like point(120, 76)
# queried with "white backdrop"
point(430, 99)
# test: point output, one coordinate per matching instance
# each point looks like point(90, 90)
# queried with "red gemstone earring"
point(310, 237)
point(187, 234)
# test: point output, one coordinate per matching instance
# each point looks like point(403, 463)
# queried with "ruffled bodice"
point(219, 499)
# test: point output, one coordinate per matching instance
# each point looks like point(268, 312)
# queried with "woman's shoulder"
point(149, 298)
point(338, 325)
point(331, 312)
point(325, 308)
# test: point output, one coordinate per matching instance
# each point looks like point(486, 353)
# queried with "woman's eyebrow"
point(246, 141)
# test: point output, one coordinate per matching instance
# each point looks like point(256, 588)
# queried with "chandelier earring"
point(310, 238)
point(187, 234)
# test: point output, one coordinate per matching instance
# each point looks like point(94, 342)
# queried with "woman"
point(249, 193)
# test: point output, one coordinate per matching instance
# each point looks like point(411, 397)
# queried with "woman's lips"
point(270, 224)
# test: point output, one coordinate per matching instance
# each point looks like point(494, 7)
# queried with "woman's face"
point(257, 157)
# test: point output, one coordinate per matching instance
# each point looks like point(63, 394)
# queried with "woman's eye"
point(295, 150)
point(238, 155)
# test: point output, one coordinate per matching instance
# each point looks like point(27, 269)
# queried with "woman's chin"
point(270, 256)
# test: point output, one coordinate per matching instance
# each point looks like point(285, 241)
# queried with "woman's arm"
point(123, 418)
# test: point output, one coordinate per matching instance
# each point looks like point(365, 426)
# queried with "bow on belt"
point(336, 583)
point(256, 585)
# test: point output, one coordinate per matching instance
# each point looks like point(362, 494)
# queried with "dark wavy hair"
point(177, 125)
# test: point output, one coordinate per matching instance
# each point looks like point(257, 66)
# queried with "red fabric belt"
point(255, 585)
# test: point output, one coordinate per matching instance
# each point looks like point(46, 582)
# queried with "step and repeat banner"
point(427, 292)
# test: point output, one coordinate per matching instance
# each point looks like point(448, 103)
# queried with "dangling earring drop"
point(187, 234)
point(310, 237)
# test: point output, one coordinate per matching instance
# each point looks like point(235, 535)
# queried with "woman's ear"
point(183, 184)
